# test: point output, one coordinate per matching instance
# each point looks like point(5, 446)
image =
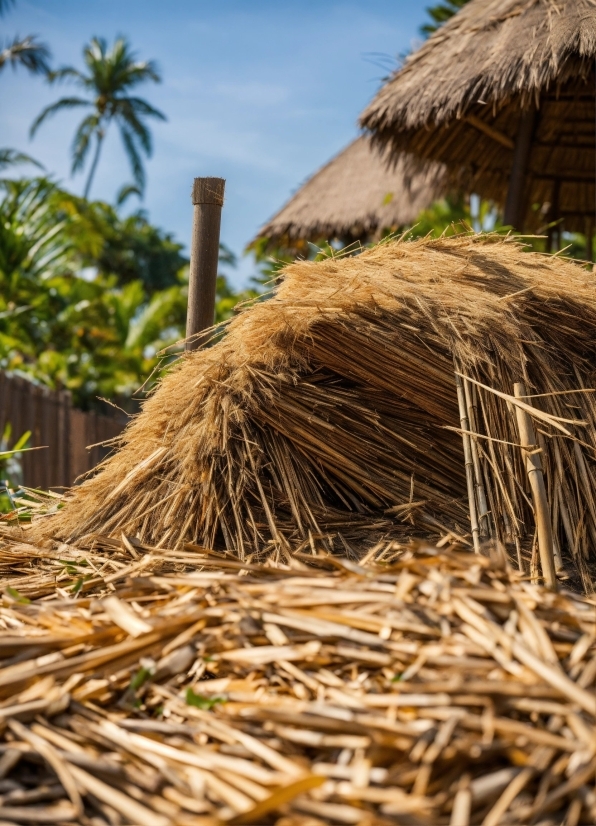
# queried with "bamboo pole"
point(469, 463)
point(539, 498)
point(207, 199)
point(484, 524)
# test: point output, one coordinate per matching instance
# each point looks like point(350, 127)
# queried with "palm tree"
point(27, 52)
point(111, 74)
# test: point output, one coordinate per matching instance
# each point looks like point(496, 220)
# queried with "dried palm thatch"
point(426, 687)
point(331, 410)
point(459, 100)
point(354, 197)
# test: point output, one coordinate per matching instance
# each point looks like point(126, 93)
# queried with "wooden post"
point(207, 198)
point(513, 214)
point(534, 469)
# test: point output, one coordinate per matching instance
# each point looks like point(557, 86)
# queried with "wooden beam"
point(513, 214)
point(207, 199)
point(495, 134)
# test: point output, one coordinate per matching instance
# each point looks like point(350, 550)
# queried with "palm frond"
point(143, 109)
point(82, 140)
point(28, 52)
point(126, 191)
point(128, 120)
point(5, 6)
point(63, 103)
point(12, 157)
point(67, 72)
point(134, 158)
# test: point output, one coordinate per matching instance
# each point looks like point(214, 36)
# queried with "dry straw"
point(329, 413)
point(424, 687)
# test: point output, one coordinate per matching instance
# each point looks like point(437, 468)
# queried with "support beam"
point(515, 203)
point(207, 198)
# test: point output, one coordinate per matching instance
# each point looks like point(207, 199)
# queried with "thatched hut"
point(329, 413)
point(503, 94)
point(355, 197)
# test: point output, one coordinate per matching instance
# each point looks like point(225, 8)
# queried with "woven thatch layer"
point(327, 405)
point(353, 197)
point(492, 59)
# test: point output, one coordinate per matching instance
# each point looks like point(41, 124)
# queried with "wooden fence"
point(66, 432)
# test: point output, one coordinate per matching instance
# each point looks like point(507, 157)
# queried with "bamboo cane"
point(483, 520)
point(465, 426)
point(536, 477)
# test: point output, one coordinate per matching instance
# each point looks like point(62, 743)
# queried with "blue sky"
point(261, 93)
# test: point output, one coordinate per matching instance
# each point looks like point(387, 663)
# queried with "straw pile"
point(329, 413)
point(425, 686)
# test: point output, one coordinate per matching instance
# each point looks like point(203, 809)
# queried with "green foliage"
point(440, 14)
point(27, 52)
point(111, 75)
point(202, 702)
point(454, 214)
point(12, 157)
point(89, 299)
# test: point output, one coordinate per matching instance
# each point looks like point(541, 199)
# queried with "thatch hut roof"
point(331, 410)
point(353, 197)
point(458, 100)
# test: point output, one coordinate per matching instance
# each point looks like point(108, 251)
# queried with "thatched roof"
point(458, 98)
point(331, 409)
point(353, 197)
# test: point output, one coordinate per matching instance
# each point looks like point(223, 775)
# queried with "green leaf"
point(202, 702)
point(12, 592)
point(140, 678)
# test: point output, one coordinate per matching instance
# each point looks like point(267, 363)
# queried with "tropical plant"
point(10, 465)
point(112, 73)
point(440, 14)
point(26, 51)
point(12, 157)
point(81, 301)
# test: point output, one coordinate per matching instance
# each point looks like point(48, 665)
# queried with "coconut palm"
point(26, 51)
point(111, 75)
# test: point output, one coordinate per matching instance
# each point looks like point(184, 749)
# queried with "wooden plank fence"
point(54, 422)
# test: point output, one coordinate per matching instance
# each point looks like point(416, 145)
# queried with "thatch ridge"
point(490, 51)
point(328, 404)
point(353, 197)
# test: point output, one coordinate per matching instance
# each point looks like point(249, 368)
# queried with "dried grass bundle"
point(425, 687)
point(330, 411)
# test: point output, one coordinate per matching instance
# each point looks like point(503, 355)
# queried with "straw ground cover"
point(422, 686)
point(329, 413)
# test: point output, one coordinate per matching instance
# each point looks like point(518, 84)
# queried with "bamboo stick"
point(469, 463)
point(470, 393)
point(536, 478)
